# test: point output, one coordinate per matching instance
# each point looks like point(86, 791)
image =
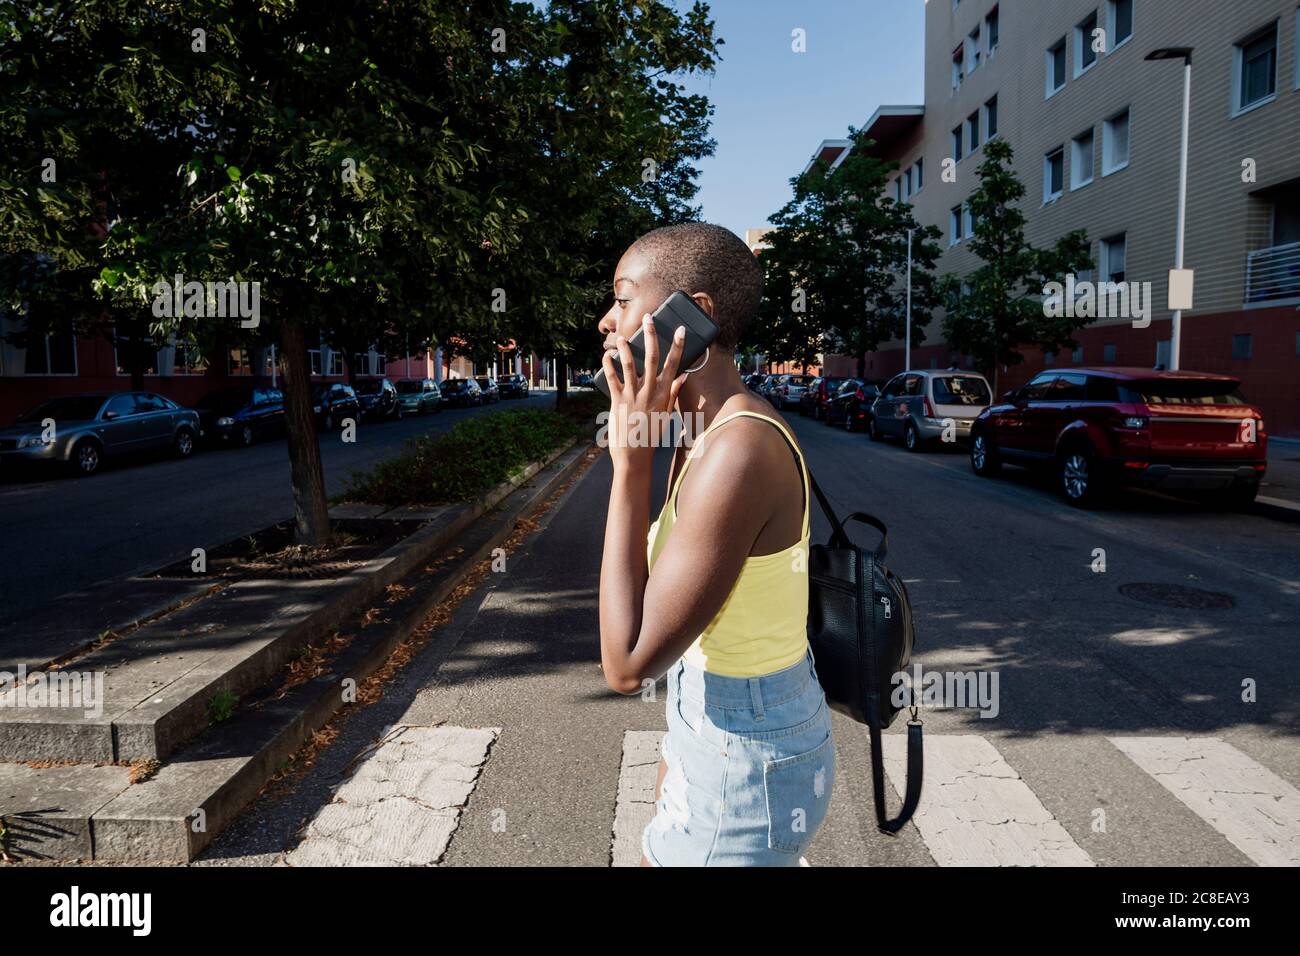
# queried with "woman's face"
point(636, 294)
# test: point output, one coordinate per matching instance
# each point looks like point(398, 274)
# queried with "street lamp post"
point(1183, 53)
point(907, 334)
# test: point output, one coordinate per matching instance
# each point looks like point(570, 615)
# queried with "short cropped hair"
point(701, 257)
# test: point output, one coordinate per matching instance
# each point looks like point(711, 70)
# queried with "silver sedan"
point(82, 430)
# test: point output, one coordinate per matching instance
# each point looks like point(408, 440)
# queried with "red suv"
point(1102, 427)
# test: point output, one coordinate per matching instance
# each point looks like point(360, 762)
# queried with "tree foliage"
point(1002, 309)
point(838, 251)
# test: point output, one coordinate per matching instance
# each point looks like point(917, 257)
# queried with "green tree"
point(380, 172)
point(1002, 311)
point(840, 245)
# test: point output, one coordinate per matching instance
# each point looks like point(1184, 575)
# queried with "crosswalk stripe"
point(976, 810)
point(402, 804)
point(635, 804)
point(1255, 809)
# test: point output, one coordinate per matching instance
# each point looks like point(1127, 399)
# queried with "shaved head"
point(700, 257)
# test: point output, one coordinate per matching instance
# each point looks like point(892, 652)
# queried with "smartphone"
point(679, 309)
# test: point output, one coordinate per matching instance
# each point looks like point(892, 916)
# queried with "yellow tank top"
point(762, 627)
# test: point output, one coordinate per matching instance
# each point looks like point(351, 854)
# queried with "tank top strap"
point(785, 432)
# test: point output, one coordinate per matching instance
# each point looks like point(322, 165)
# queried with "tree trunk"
point(862, 366)
point(561, 380)
point(311, 520)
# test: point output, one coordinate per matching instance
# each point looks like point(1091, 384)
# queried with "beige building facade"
point(1096, 131)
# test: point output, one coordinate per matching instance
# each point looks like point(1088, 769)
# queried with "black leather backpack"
point(860, 629)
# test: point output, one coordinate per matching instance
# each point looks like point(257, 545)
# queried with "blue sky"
point(773, 106)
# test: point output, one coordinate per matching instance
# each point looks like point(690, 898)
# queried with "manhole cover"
point(1176, 595)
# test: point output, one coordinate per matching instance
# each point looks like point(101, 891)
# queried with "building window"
point(52, 354)
point(1053, 174)
point(1056, 67)
point(1241, 346)
point(958, 66)
point(1119, 16)
point(991, 118)
point(907, 182)
point(954, 225)
point(973, 49)
point(973, 131)
point(1077, 355)
point(1114, 252)
point(898, 188)
point(239, 362)
point(189, 360)
point(968, 221)
point(918, 179)
point(1081, 160)
point(1049, 358)
point(1084, 55)
point(1114, 143)
point(1255, 72)
point(991, 30)
point(956, 143)
point(1108, 353)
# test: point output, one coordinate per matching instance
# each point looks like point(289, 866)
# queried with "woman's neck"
point(704, 393)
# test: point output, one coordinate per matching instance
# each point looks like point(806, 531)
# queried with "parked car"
point(791, 390)
point(419, 395)
point(1099, 428)
point(488, 386)
point(755, 382)
point(461, 392)
point(769, 387)
point(851, 405)
point(583, 381)
point(332, 402)
point(919, 406)
point(379, 399)
point(514, 386)
point(241, 414)
point(817, 396)
point(89, 428)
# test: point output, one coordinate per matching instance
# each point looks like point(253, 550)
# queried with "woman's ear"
point(705, 302)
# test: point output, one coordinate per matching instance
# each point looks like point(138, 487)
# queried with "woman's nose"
point(607, 324)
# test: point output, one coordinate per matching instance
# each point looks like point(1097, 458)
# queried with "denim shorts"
point(750, 767)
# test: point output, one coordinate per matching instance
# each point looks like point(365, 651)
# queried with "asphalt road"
point(1001, 576)
point(62, 533)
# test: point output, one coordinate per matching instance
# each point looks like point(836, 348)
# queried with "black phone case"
point(679, 309)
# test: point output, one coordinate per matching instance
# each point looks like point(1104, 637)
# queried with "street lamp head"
point(1183, 53)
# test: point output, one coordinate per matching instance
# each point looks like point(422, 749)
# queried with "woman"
point(715, 592)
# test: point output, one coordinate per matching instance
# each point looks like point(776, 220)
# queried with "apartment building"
point(1096, 130)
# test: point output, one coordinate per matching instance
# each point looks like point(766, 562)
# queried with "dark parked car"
point(818, 395)
point(514, 386)
point(419, 395)
point(241, 414)
point(488, 385)
point(379, 399)
point(461, 392)
point(851, 406)
point(86, 429)
point(584, 381)
point(334, 402)
point(1097, 428)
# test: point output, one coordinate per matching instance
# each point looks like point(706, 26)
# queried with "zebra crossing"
point(977, 810)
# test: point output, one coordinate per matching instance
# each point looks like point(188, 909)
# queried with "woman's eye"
point(623, 302)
